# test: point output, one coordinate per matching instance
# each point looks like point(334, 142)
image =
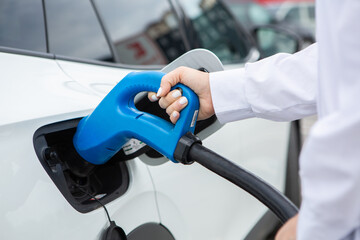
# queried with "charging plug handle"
point(100, 135)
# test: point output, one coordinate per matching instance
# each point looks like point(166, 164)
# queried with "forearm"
point(280, 88)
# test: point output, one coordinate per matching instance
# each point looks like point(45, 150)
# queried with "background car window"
point(143, 33)
point(249, 14)
point(216, 29)
point(74, 30)
point(22, 25)
point(311, 12)
point(271, 41)
point(293, 15)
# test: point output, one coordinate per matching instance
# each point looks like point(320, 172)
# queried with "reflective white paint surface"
point(192, 202)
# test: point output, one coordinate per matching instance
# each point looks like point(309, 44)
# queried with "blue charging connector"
point(115, 120)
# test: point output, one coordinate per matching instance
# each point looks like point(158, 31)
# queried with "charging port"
point(78, 180)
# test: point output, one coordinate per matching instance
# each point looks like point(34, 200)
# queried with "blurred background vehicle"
point(297, 16)
point(61, 57)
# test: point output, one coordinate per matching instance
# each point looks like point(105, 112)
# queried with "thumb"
point(169, 80)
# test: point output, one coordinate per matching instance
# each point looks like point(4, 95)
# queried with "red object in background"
point(264, 2)
point(139, 50)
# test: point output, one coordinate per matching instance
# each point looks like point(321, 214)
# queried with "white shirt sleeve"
point(280, 88)
point(330, 160)
point(285, 87)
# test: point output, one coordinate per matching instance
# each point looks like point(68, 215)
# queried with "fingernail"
point(175, 114)
point(183, 100)
point(159, 92)
point(176, 94)
point(154, 98)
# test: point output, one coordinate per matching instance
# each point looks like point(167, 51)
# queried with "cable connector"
point(183, 147)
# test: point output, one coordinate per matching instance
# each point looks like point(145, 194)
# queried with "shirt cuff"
point(229, 96)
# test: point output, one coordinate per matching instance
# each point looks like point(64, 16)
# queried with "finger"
point(170, 80)
point(166, 101)
point(177, 106)
point(174, 116)
point(152, 97)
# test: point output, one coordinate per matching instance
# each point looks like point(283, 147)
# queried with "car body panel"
point(97, 79)
point(246, 142)
point(195, 203)
point(167, 194)
point(39, 93)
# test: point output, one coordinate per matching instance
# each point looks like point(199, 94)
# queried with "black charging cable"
point(97, 200)
point(113, 232)
point(189, 150)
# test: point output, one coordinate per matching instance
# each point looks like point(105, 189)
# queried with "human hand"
point(288, 230)
point(173, 102)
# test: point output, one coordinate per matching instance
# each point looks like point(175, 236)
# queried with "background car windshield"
point(142, 33)
point(249, 14)
point(74, 30)
point(217, 30)
point(22, 25)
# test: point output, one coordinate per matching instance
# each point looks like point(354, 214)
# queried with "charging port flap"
point(78, 180)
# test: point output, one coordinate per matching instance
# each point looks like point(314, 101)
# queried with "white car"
point(58, 60)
